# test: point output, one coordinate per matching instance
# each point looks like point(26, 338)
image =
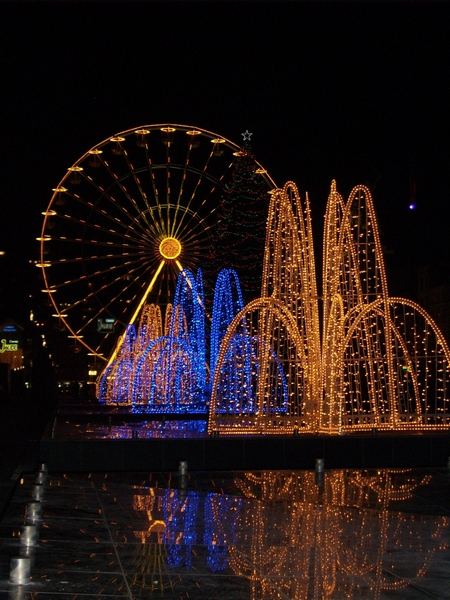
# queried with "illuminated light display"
point(369, 338)
point(319, 522)
point(278, 370)
point(253, 368)
point(293, 538)
point(151, 553)
point(378, 362)
point(163, 366)
point(218, 539)
point(131, 212)
point(170, 375)
point(181, 512)
point(115, 381)
point(9, 345)
point(182, 515)
point(228, 302)
point(150, 326)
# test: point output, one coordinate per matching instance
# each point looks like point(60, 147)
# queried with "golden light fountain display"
point(342, 538)
point(377, 362)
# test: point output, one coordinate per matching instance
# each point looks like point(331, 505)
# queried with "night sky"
point(357, 92)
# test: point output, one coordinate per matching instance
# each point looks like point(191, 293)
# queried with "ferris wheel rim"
point(147, 129)
point(228, 143)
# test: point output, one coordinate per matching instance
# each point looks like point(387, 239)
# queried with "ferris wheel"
point(125, 219)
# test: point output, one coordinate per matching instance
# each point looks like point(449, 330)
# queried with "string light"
point(341, 543)
point(163, 370)
point(377, 362)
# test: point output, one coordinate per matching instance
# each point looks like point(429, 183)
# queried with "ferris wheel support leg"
point(180, 266)
point(135, 314)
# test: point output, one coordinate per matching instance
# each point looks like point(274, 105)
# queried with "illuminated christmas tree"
point(240, 233)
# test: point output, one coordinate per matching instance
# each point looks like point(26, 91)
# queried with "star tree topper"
point(247, 135)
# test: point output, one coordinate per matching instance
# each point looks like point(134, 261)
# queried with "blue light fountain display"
point(168, 373)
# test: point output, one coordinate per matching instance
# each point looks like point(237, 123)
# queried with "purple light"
point(412, 206)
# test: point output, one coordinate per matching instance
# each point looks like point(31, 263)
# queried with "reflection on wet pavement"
point(151, 429)
point(271, 535)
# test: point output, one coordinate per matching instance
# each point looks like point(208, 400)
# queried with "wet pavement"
point(254, 535)
point(125, 430)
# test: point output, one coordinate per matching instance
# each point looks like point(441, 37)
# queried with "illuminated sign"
point(105, 325)
point(9, 345)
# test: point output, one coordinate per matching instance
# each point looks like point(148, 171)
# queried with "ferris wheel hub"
point(170, 248)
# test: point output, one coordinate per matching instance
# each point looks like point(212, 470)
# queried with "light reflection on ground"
point(352, 534)
point(157, 429)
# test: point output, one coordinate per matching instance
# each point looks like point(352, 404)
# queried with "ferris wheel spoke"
point(168, 190)
point(136, 179)
point(107, 196)
point(195, 230)
point(149, 165)
point(194, 192)
point(157, 228)
point(102, 213)
point(147, 212)
point(107, 230)
point(122, 241)
point(113, 300)
point(151, 170)
point(125, 266)
point(91, 295)
point(204, 176)
point(119, 183)
point(136, 312)
point(148, 208)
point(97, 244)
point(195, 241)
point(95, 258)
point(181, 188)
point(213, 188)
